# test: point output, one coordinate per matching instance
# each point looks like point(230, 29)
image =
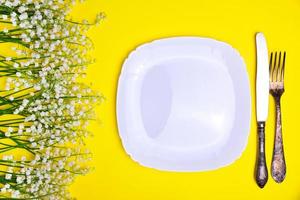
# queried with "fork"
point(277, 65)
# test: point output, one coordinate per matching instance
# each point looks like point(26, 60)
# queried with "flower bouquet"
point(44, 106)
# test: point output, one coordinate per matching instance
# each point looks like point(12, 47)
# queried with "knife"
point(262, 104)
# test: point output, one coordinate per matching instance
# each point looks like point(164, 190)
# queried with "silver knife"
point(262, 105)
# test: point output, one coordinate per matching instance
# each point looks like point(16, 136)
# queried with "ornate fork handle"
point(278, 160)
point(261, 169)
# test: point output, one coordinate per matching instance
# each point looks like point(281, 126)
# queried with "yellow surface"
point(133, 22)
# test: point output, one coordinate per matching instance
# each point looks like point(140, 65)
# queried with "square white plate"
point(183, 104)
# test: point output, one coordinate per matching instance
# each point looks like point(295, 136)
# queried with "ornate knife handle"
point(278, 160)
point(261, 168)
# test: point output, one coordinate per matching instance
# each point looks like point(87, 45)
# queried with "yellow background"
point(130, 23)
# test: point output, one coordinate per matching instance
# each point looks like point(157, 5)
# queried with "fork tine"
point(283, 66)
point(278, 72)
point(271, 67)
point(274, 68)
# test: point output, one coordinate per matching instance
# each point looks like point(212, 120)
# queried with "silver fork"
point(277, 65)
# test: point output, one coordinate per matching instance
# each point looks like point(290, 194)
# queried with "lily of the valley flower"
point(44, 109)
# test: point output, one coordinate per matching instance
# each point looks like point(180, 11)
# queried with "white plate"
point(183, 104)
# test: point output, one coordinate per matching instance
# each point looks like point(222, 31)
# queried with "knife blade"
point(262, 78)
point(262, 106)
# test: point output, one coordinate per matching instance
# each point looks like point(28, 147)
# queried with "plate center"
point(187, 102)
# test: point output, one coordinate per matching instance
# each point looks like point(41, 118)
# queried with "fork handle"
point(261, 168)
point(278, 161)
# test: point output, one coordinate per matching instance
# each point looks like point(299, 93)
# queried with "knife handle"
point(261, 168)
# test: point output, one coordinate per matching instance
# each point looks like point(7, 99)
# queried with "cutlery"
point(277, 64)
point(262, 103)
